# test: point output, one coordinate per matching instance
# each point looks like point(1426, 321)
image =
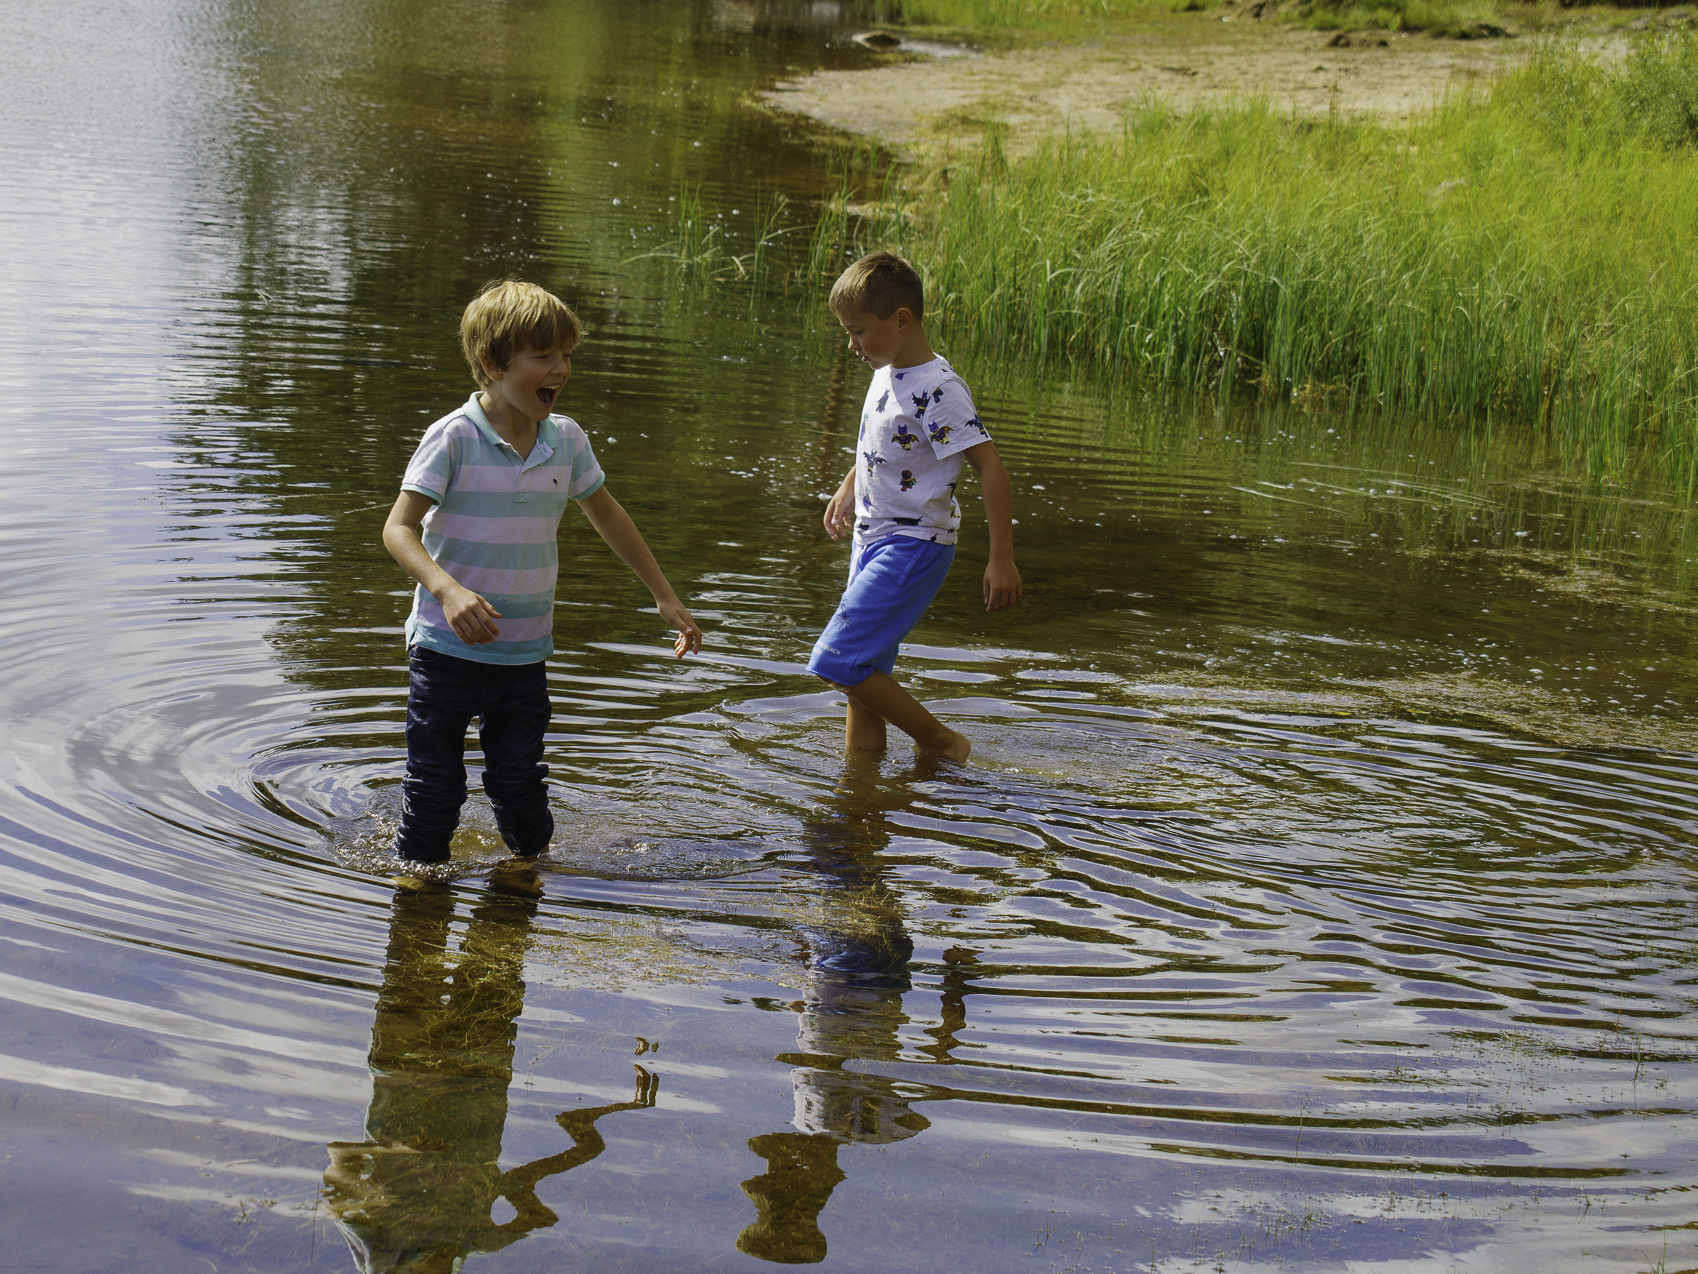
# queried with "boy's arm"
point(614, 525)
point(468, 614)
point(1002, 577)
point(840, 513)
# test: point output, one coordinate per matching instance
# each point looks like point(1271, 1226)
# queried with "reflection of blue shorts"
point(891, 582)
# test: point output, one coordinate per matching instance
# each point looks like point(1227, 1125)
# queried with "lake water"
point(1321, 893)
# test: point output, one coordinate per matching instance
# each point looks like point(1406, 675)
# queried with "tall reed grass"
point(705, 243)
point(1526, 253)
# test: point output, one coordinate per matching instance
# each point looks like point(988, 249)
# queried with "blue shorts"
point(891, 582)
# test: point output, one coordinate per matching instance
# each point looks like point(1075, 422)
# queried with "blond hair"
point(510, 316)
point(879, 284)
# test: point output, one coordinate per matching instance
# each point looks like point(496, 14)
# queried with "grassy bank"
point(1463, 18)
point(1526, 254)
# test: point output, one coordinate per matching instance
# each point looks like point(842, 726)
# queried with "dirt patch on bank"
point(921, 104)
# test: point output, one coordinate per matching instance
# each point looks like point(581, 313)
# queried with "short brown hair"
point(511, 316)
point(879, 284)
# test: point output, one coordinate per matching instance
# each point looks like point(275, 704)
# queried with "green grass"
point(1018, 13)
point(1528, 253)
point(1464, 18)
point(703, 246)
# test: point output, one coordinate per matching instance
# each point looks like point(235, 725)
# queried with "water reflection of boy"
point(858, 953)
point(917, 427)
point(488, 485)
point(417, 1193)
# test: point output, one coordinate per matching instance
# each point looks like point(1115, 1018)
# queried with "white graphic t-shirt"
point(914, 426)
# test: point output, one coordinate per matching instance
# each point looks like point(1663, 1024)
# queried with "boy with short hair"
point(488, 485)
point(917, 426)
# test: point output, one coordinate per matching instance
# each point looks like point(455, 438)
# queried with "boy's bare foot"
point(414, 884)
point(880, 699)
point(517, 876)
point(957, 747)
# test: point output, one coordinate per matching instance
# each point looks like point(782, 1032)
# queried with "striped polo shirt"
point(493, 527)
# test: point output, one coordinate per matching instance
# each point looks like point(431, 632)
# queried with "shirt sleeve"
point(432, 465)
point(586, 475)
point(951, 423)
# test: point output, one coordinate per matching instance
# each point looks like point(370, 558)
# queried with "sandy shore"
point(932, 101)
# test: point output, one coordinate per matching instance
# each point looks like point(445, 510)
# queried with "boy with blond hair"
point(487, 487)
point(917, 426)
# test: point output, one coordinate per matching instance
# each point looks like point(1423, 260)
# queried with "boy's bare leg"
point(881, 697)
point(863, 729)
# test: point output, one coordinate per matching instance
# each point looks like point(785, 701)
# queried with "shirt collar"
point(936, 361)
point(548, 434)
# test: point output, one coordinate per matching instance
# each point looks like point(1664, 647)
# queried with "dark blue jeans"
point(512, 707)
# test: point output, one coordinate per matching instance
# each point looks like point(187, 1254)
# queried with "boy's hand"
point(840, 513)
point(689, 639)
point(1002, 584)
point(470, 616)
point(615, 527)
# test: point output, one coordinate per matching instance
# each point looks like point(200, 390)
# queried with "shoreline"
point(919, 106)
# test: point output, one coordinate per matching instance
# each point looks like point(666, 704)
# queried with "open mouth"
point(548, 393)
